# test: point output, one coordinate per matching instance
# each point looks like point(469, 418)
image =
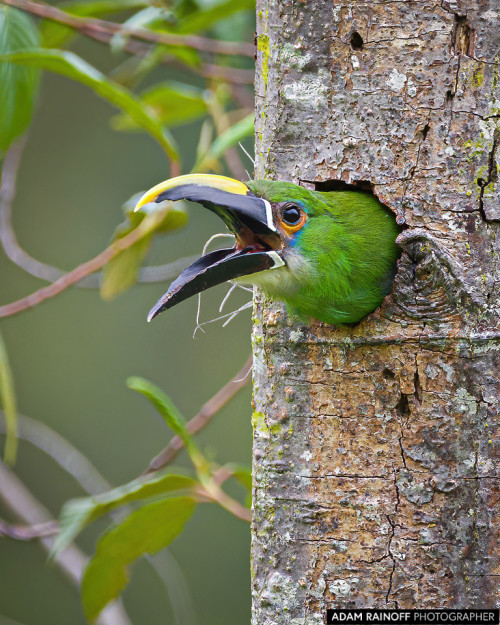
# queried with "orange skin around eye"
point(296, 227)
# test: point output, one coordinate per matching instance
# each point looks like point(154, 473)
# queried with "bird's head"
point(330, 256)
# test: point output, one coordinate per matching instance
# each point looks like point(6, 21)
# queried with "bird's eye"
point(292, 217)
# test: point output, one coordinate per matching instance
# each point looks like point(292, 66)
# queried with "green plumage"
point(341, 264)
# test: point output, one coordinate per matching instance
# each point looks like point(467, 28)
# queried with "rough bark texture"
point(375, 482)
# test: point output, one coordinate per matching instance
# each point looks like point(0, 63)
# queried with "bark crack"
point(391, 556)
point(492, 177)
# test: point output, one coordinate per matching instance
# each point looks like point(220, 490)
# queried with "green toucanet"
point(328, 255)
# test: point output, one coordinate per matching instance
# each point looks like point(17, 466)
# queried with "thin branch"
point(7, 236)
point(234, 75)
point(158, 273)
point(230, 74)
point(61, 451)
point(214, 493)
point(221, 123)
point(98, 28)
point(80, 272)
point(28, 532)
point(15, 253)
point(208, 410)
point(71, 561)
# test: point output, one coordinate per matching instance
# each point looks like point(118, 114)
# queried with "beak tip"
point(154, 312)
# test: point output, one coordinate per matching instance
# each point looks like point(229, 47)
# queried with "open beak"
point(248, 217)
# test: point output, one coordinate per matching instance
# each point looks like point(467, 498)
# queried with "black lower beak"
point(248, 217)
point(213, 269)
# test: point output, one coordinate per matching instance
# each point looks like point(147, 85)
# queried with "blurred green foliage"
point(157, 87)
point(18, 85)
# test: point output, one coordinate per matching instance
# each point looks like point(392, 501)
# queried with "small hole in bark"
point(463, 37)
point(425, 132)
point(418, 388)
point(449, 95)
point(356, 41)
point(481, 182)
point(340, 185)
point(363, 186)
point(388, 374)
point(403, 406)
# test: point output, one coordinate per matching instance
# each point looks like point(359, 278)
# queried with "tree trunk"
point(374, 448)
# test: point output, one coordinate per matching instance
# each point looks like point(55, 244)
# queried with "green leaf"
point(205, 139)
point(95, 8)
point(203, 19)
point(54, 35)
point(173, 418)
point(173, 103)
point(163, 404)
point(141, 19)
point(78, 513)
point(243, 475)
point(18, 85)
point(122, 271)
point(184, 54)
point(229, 138)
point(8, 402)
point(72, 66)
point(147, 530)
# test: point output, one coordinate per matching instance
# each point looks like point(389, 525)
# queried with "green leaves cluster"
point(167, 501)
point(155, 110)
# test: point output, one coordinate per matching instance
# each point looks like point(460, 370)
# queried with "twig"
point(214, 493)
point(98, 28)
point(234, 75)
point(76, 275)
point(61, 451)
point(231, 74)
point(7, 236)
point(158, 273)
point(15, 253)
point(221, 123)
point(71, 561)
point(207, 411)
point(28, 532)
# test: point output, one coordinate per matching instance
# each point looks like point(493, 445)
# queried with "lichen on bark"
point(375, 455)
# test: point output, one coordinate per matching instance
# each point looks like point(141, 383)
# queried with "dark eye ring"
point(291, 214)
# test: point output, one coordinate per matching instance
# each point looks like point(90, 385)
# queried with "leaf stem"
point(77, 274)
point(204, 416)
point(214, 493)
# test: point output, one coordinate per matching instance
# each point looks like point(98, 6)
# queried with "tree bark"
point(375, 482)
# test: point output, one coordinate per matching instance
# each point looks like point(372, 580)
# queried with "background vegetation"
point(70, 355)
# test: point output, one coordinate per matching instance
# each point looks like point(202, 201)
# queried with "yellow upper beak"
point(208, 180)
